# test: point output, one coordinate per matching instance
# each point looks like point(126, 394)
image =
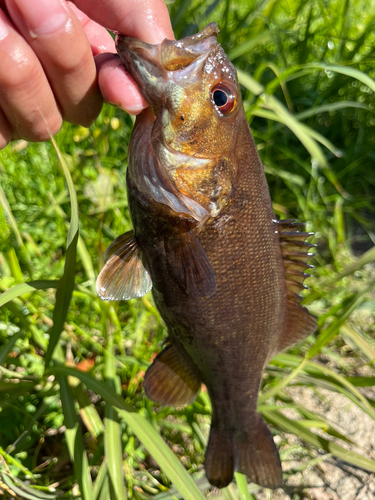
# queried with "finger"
point(148, 19)
point(117, 86)
point(5, 131)
point(25, 94)
point(99, 38)
point(57, 38)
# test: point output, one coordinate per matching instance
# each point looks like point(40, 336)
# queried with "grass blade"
point(338, 451)
point(87, 410)
point(74, 440)
point(64, 294)
point(242, 486)
point(361, 343)
point(86, 260)
point(20, 492)
point(229, 493)
point(26, 491)
point(66, 284)
point(249, 82)
point(328, 108)
point(301, 131)
point(112, 436)
point(280, 386)
point(327, 335)
point(347, 71)
point(23, 288)
point(8, 347)
point(4, 203)
point(249, 45)
point(100, 479)
point(145, 432)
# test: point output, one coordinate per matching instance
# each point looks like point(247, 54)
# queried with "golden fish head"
point(193, 91)
point(192, 84)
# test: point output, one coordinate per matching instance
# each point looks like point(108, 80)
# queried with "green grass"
point(306, 70)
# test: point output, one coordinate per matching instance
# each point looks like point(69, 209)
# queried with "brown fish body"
point(230, 335)
point(219, 270)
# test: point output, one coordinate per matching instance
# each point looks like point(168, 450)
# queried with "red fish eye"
point(223, 98)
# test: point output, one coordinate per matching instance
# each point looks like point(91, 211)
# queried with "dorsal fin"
point(124, 276)
point(298, 322)
point(295, 252)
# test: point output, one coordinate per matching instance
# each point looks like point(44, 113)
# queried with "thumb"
point(147, 20)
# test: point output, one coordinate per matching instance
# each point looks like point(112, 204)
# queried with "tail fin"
point(253, 453)
point(219, 457)
point(256, 455)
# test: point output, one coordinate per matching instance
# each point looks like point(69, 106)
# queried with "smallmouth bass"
point(225, 274)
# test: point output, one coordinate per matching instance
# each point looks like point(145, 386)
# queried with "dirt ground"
point(333, 479)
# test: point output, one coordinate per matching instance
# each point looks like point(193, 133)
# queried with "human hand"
point(55, 57)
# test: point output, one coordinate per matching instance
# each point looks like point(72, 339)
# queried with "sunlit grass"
point(82, 424)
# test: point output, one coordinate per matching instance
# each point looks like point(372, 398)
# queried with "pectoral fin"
point(172, 380)
point(124, 276)
point(189, 265)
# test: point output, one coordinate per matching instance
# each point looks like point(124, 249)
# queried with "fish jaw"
point(150, 65)
point(142, 61)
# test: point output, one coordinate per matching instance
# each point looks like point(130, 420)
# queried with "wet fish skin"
point(224, 272)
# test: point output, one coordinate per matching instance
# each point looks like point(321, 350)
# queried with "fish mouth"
point(155, 66)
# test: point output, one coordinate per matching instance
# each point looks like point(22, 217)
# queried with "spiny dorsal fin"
point(172, 379)
point(295, 252)
point(189, 265)
point(298, 322)
point(124, 276)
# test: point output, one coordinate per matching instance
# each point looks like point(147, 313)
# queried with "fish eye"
point(220, 98)
point(223, 98)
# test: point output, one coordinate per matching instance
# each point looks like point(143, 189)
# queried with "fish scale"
point(225, 274)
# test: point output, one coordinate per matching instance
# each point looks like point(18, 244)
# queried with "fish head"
point(192, 89)
point(192, 84)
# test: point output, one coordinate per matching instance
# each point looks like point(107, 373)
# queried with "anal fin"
point(172, 379)
point(189, 265)
point(123, 276)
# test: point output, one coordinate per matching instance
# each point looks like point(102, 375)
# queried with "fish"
point(225, 274)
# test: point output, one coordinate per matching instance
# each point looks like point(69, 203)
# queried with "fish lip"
point(160, 54)
point(141, 59)
point(154, 66)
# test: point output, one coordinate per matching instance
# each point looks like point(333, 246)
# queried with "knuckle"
point(19, 78)
point(37, 130)
point(86, 110)
point(4, 141)
point(5, 131)
point(75, 61)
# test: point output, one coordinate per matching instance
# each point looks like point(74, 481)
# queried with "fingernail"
point(43, 16)
point(4, 31)
point(135, 109)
